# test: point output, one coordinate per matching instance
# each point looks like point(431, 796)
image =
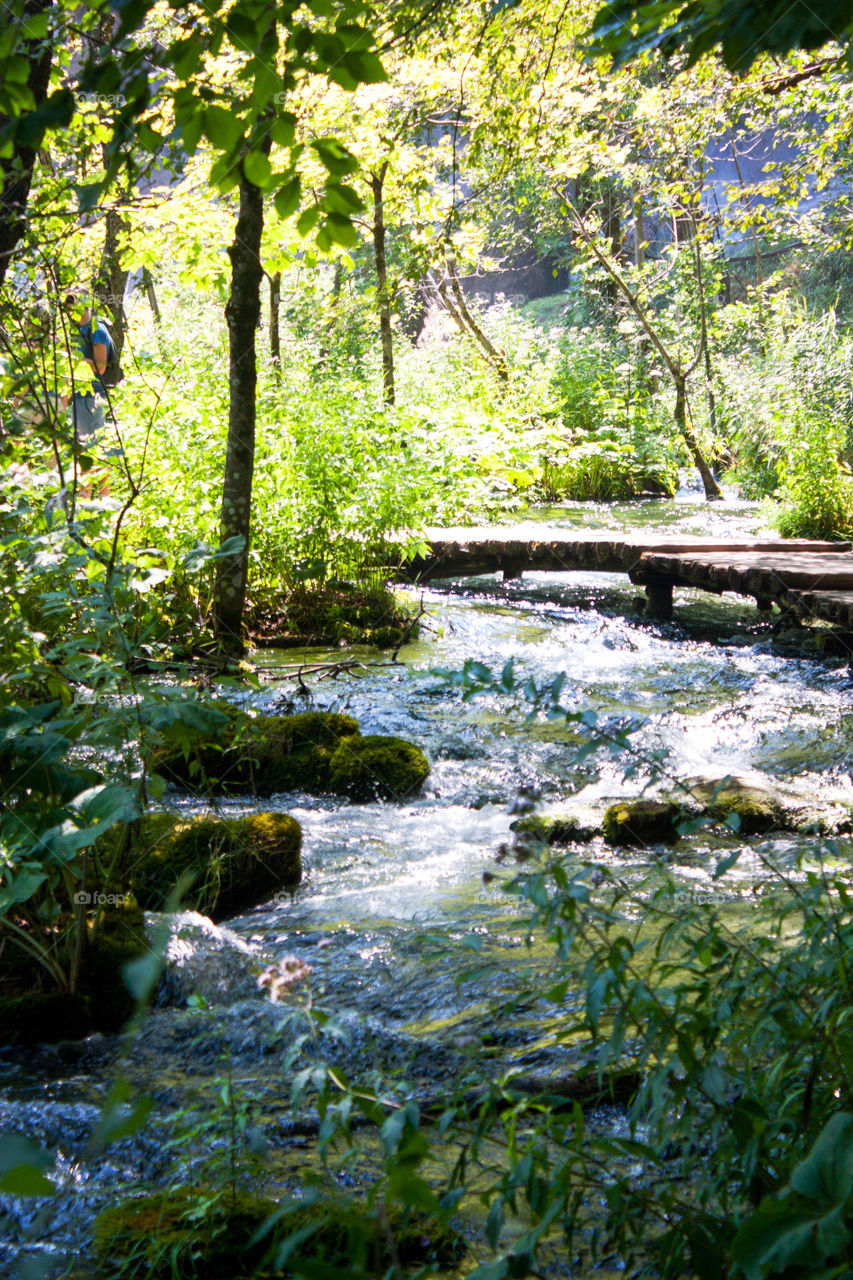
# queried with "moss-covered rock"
point(559, 827)
point(204, 1236)
point(182, 1232)
point(377, 768)
point(235, 863)
point(261, 754)
point(758, 808)
point(643, 821)
point(317, 751)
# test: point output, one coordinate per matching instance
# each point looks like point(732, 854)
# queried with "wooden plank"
point(755, 573)
point(515, 548)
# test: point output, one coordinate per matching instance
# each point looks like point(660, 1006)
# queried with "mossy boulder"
point(643, 822)
point(31, 1011)
point(758, 808)
point(260, 754)
point(182, 1232)
point(235, 863)
point(376, 767)
point(317, 751)
point(207, 1236)
point(559, 826)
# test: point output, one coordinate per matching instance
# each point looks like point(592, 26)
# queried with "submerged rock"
point(316, 751)
point(204, 959)
point(235, 863)
point(758, 808)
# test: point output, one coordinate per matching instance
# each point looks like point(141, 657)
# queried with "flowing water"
point(415, 946)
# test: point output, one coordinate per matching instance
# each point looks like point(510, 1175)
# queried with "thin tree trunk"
point(759, 264)
point(611, 229)
point(16, 170)
point(713, 492)
point(383, 299)
point(243, 314)
point(148, 285)
point(703, 331)
point(275, 303)
point(639, 233)
point(111, 278)
point(495, 357)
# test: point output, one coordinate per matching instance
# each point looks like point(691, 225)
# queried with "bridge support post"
point(659, 599)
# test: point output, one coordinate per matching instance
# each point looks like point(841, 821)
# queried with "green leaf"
point(257, 169)
point(222, 128)
point(287, 197)
point(283, 128)
point(826, 1174)
point(725, 864)
point(335, 156)
point(343, 199)
point(307, 220)
point(21, 1167)
point(340, 230)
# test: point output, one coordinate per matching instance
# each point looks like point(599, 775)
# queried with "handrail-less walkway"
point(811, 579)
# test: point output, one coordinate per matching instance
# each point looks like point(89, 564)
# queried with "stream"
point(415, 946)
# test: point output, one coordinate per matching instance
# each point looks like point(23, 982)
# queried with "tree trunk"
point(243, 314)
point(713, 492)
point(703, 329)
point(639, 233)
point(111, 278)
point(16, 170)
point(495, 357)
point(148, 285)
point(275, 303)
point(383, 299)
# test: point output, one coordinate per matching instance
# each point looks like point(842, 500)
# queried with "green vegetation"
point(292, 215)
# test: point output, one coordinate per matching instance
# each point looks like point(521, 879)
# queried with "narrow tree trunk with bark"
point(495, 357)
point(639, 233)
point(383, 298)
point(148, 285)
point(275, 303)
point(243, 314)
point(678, 371)
point(713, 492)
point(703, 330)
point(16, 170)
point(111, 279)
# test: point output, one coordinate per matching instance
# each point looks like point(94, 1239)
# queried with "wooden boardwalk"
point(810, 579)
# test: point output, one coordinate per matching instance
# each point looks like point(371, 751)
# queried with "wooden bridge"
point(807, 578)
